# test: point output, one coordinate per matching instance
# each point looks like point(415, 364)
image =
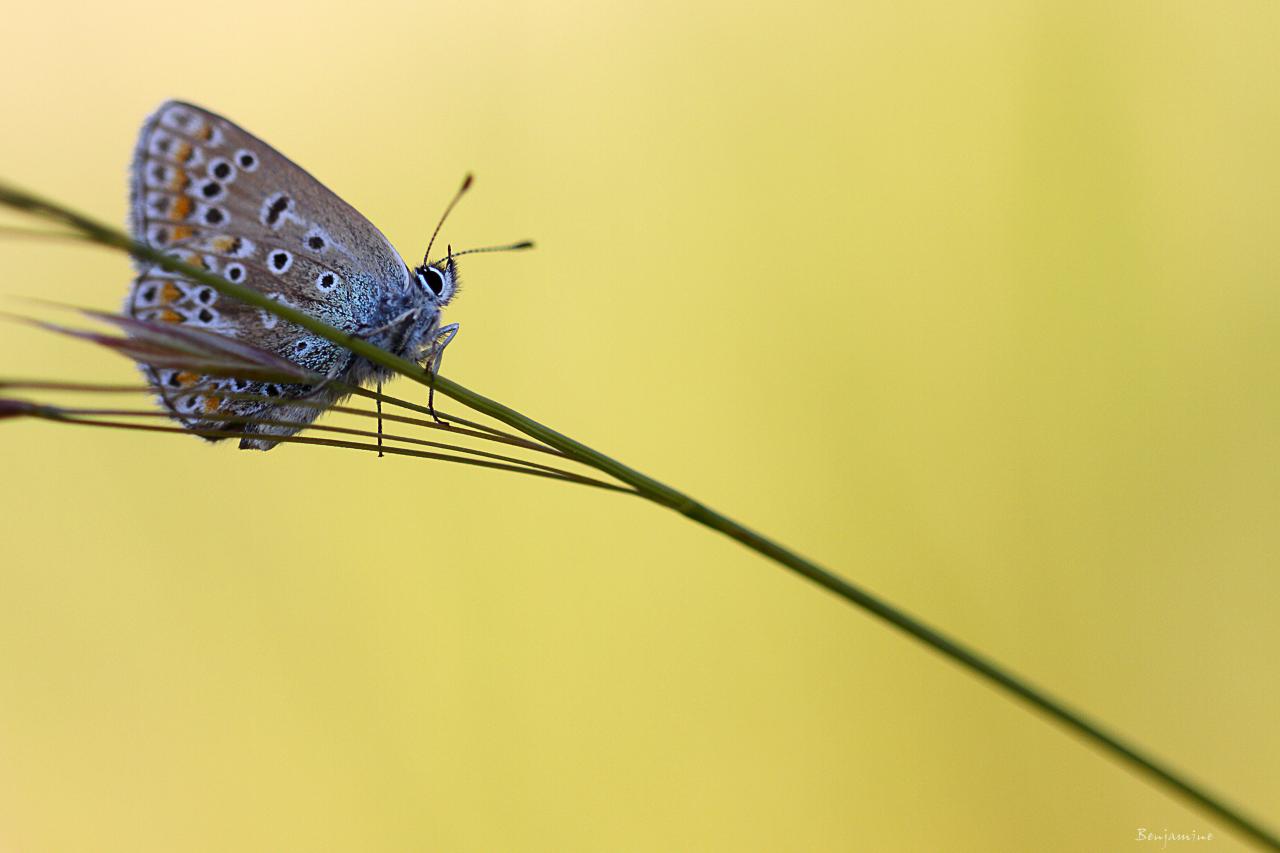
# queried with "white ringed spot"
point(279, 261)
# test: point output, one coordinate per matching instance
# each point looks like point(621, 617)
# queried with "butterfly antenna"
point(466, 185)
point(509, 247)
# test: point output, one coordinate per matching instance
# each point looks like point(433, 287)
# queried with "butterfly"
point(206, 191)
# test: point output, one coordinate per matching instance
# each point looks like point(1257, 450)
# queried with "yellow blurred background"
point(974, 303)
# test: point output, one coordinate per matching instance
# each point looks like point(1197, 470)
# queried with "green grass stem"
point(1076, 722)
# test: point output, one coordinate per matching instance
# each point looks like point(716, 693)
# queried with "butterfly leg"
point(434, 355)
point(404, 321)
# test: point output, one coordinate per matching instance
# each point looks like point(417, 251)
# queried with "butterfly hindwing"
point(214, 195)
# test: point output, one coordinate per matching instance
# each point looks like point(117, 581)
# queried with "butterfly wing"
point(208, 192)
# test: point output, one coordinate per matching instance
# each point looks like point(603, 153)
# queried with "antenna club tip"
point(467, 181)
point(526, 244)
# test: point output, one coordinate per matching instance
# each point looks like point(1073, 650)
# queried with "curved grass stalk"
point(18, 408)
point(362, 433)
point(451, 418)
point(1093, 733)
point(39, 234)
point(480, 431)
point(79, 387)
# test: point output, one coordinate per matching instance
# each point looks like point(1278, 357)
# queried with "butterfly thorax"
point(408, 319)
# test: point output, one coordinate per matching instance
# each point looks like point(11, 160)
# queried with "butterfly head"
point(437, 282)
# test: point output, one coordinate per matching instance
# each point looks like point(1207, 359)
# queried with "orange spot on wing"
point(224, 244)
point(186, 378)
point(182, 232)
point(180, 180)
point(170, 293)
point(182, 153)
point(205, 132)
point(181, 207)
point(168, 315)
point(212, 404)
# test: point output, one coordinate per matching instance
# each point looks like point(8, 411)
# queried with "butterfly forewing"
point(218, 197)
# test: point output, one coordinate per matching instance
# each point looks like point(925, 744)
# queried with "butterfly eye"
point(433, 279)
